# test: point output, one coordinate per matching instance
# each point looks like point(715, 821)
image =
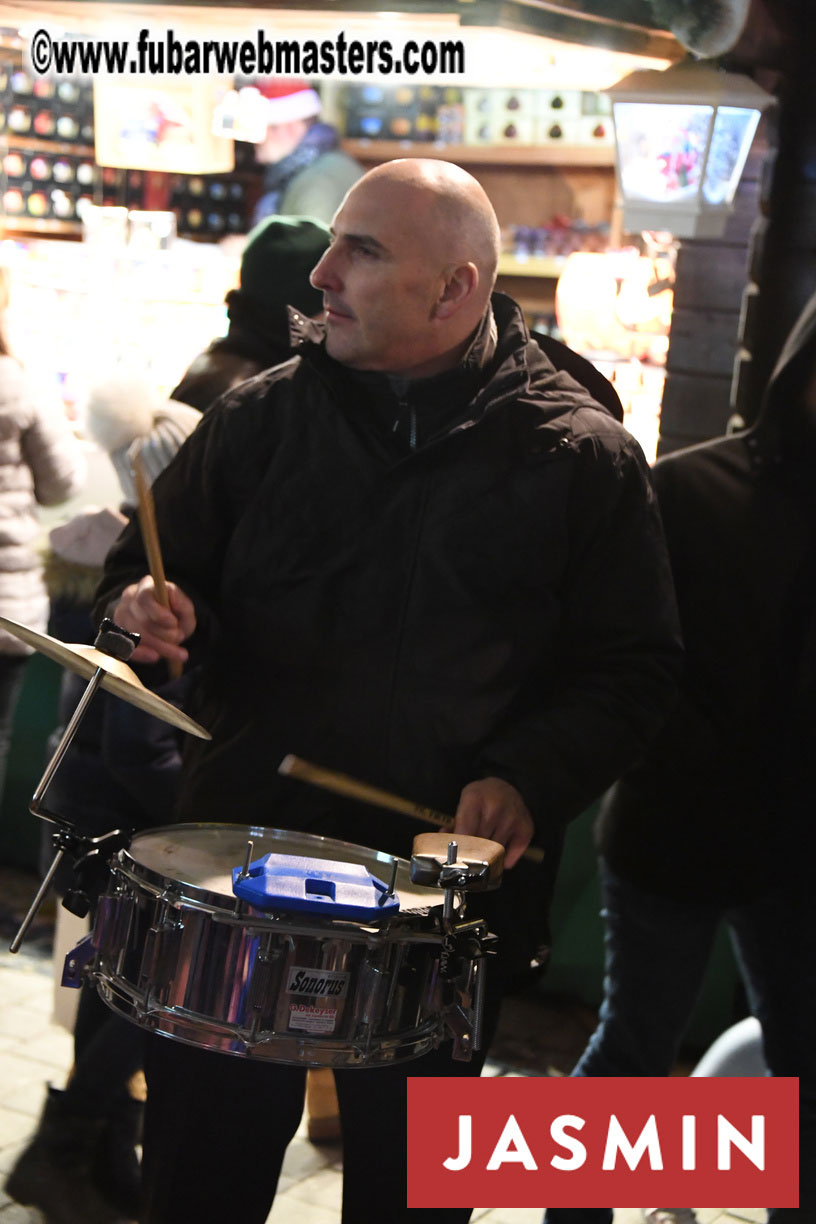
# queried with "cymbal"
point(120, 679)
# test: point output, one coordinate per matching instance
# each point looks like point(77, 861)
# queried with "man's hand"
point(162, 629)
point(493, 808)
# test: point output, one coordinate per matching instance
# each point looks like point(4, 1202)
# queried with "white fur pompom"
point(119, 410)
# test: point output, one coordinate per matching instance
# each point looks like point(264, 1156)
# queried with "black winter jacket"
point(723, 805)
point(494, 601)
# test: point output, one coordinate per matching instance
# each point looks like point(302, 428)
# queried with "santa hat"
point(246, 113)
point(287, 100)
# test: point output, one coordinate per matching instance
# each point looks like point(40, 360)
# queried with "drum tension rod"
point(444, 878)
point(392, 885)
point(247, 860)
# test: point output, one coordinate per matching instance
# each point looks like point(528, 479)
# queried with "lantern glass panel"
point(661, 149)
point(734, 129)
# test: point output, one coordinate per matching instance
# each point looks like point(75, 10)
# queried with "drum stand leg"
point(120, 644)
point(65, 838)
point(36, 808)
point(14, 946)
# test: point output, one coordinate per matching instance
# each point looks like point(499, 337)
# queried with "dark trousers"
point(657, 950)
point(217, 1127)
point(108, 1051)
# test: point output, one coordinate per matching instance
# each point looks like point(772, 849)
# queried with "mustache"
point(337, 307)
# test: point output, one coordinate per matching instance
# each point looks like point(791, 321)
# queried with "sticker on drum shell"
point(325, 989)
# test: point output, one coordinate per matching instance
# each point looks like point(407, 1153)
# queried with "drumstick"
point(295, 767)
point(150, 536)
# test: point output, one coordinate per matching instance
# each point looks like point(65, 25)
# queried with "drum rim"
point(228, 901)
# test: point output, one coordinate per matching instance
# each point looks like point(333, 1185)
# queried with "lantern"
point(683, 136)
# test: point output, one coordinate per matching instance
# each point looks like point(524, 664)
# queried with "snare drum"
point(178, 953)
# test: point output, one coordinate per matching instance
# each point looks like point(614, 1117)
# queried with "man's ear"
point(459, 286)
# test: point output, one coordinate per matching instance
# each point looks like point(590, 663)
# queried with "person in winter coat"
point(41, 464)
point(273, 290)
point(307, 172)
point(716, 824)
point(122, 772)
point(418, 554)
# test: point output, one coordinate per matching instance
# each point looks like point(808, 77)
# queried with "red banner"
point(541, 1142)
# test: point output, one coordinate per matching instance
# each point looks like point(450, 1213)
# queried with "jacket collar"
point(303, 330)
point(307, 336)
point(417, 411)
point(501, 365)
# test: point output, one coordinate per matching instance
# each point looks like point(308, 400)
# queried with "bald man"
point(420, 555)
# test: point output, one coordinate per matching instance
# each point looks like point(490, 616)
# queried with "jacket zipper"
point(418, 535)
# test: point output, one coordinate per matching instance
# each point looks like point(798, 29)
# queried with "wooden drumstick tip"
point(287, 764)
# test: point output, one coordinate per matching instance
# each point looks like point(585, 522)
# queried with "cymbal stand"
point(119, 643)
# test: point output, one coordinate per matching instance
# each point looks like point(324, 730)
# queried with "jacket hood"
point(783, 416)
point(560, 380)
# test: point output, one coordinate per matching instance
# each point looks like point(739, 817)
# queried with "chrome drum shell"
point(177, 953)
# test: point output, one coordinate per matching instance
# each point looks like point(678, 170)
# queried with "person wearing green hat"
point(274, 291)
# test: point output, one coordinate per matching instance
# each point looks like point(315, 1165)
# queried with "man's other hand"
point(493, 808)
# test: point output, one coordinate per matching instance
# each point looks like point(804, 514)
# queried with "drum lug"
point(462, 963)
point(265, 974)
point(161, 949)
point(479, 982)
point(115, 915)
point(458, 1021)
point(372, 989)
point(168, 923)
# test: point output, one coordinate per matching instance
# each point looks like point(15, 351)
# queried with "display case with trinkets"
point(210, 206)
point(477, 117)
point(47, 141)
point(416, 113)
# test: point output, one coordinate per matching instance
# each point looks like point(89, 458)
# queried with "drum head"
point(200, 857)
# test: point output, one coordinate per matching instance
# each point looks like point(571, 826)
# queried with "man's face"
point(281, 140)
point(381, 279)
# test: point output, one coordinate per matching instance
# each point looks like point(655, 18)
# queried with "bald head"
point(411, 269)
point(448, 207)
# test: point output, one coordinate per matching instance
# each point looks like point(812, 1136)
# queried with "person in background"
point(274, 295)
point(122, 772)
point(41, 464)
point(418, 554)
point(716, 825)
point(306, 170)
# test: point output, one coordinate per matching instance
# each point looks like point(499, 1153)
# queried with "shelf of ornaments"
point(594, 156)
point(543, 267)
point(42, 227)
point(33, 144)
